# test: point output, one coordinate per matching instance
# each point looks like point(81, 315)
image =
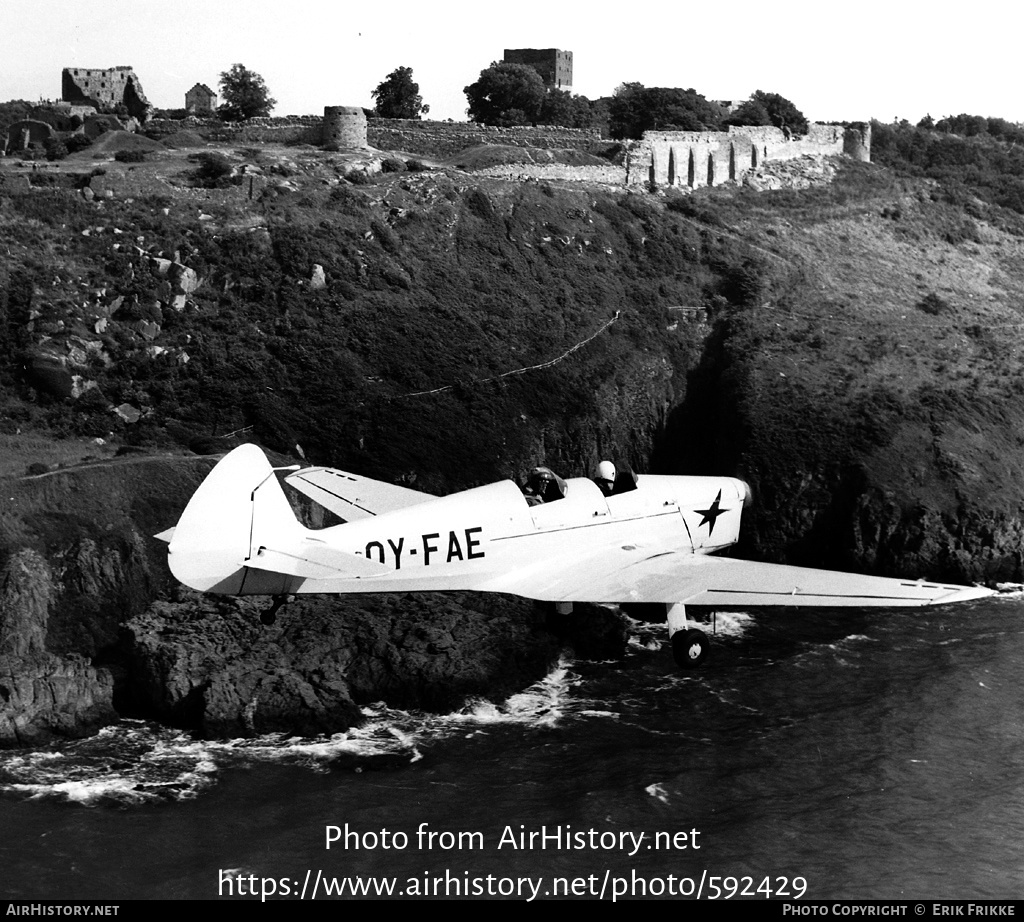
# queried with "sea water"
point(874, 754)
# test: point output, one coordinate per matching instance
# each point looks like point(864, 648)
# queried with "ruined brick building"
point(105, 89)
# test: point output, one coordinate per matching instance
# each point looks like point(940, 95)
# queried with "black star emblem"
point(711, 515)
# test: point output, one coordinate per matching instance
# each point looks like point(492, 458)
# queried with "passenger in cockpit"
point(615, 479)
point(605, 478)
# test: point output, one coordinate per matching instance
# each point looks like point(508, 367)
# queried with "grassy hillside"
point(876, 387)
point(434, 282)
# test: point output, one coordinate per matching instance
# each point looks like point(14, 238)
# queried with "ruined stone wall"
point(610, 175)
point(857, 143)
point(291, 129)
point(444, 139)
point(708, 158)
point(428, 139)
point(26, 133)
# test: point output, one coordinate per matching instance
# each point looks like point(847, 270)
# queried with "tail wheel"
point(689, 648)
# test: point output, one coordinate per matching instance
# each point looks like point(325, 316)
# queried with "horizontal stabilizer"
point(351, 497)
point(167, 535)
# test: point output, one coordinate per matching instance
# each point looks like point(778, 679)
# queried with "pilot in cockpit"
point(543, 486)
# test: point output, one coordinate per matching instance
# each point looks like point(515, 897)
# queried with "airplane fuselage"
point(476, 538)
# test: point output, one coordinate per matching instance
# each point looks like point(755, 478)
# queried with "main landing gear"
point(689, 645)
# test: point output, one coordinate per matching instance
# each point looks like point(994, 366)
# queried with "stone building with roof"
point(201, 100)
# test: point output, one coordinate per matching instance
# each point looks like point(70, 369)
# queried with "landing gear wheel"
point(689, 648)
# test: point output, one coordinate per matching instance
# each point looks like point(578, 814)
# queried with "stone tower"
point(344, 127)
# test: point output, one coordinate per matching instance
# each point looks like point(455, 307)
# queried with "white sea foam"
point(134, 762)
point(647, 636)
point(658, 792)
point(1009, 591)
point(731, 623)
point(131, 762)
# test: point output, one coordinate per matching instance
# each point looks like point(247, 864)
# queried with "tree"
point(14, 111)
point(635, 109)
point(506, 95)
point(561, 108)
point(781, 112)
point(398, 96)
point(751, 113)
point(244, 93)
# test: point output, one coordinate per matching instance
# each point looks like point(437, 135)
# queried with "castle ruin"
point(105, 89)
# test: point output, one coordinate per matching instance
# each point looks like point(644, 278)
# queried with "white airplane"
point(651, 540)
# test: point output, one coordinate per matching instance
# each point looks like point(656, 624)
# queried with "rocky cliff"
point(42, 693)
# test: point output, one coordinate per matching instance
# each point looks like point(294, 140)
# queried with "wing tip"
point(956, 594)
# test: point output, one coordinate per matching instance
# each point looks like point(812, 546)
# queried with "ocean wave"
point(129, 763)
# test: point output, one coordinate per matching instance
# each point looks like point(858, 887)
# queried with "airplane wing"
point(351, 497)
point(626, 575)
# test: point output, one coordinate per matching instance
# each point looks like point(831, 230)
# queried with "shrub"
point(44, 179)
point(77, 142)
point(386, 236)
point(392, 165)
point(214, 170)
point(55, 148)
point(347, 201)
point(932, 304)
point(743, 285)
point(697, 209)
point(130, 156)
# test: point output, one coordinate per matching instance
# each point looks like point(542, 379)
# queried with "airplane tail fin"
point(214, 536)
point(239, 536)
